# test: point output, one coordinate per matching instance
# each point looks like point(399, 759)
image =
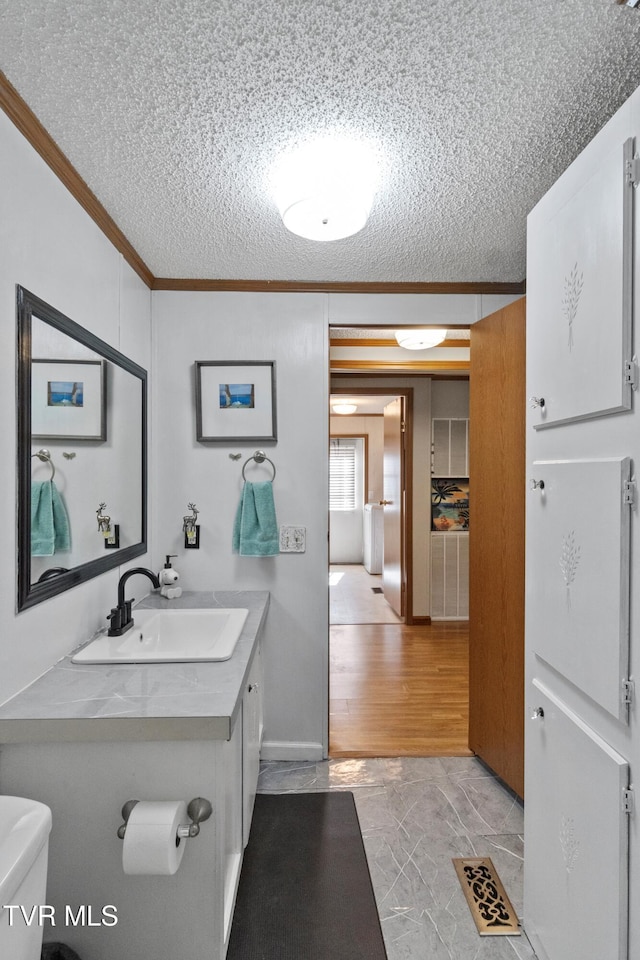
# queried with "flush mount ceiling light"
point(420, 339)
point(324, 189)
point(344, 408)
point(325, 217)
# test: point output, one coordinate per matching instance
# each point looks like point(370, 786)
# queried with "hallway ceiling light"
point(324, 189)
point(420, 339)
point(344, 408)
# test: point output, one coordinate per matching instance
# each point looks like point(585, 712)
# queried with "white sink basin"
point(176, 635)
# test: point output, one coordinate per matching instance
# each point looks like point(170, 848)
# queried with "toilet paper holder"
point(199, 809)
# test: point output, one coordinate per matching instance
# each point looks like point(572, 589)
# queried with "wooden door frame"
point(407, 467)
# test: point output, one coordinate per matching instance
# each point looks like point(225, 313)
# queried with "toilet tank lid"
point(24, 830)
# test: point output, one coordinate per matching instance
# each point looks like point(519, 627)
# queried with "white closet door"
point(578, 577)
point(576, 837)
point(579, 289)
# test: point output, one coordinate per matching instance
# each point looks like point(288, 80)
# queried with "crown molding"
point(399, 367)
point(355, 342)
point(348, 390)
point(336, 286)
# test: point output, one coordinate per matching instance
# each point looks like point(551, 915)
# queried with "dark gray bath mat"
point(305, 891)
point(58, 951)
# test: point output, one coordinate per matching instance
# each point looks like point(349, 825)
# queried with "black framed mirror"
point(81, 453)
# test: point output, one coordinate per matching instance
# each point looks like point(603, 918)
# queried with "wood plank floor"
point(398, 690)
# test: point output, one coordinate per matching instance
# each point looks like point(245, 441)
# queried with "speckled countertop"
point(155, 701)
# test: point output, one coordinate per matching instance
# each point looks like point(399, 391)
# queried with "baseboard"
point(290, 750)
point(419, 622)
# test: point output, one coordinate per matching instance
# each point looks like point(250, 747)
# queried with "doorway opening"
point(404, 708)
point(358, 592)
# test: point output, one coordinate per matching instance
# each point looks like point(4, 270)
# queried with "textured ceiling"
point(174, 111)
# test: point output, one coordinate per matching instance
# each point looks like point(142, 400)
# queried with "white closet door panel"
point(577, 837)
point(580, 294)
point(578, 578)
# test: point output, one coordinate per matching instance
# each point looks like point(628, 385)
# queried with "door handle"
point(383, 503)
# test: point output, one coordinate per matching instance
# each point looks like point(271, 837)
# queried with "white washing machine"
point(373, 537)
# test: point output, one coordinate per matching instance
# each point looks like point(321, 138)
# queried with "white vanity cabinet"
point(230, 824)
point(86, 739)
point(241, 769)
point(252, 724)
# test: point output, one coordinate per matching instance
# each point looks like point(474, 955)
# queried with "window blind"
point(342, 477)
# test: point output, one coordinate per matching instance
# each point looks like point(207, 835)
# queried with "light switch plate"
point(293, 539)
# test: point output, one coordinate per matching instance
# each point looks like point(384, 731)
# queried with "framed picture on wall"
point(235, 401)
point(449, 504)
point(69, 399)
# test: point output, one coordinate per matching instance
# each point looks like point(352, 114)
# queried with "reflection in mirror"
point(81, 453)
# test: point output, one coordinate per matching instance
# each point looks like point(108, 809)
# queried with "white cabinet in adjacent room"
point(449, 581)
point(449, 576)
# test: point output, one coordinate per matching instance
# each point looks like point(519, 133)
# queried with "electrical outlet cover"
point(293, 539)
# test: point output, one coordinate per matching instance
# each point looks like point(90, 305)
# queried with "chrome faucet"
point(120, 617)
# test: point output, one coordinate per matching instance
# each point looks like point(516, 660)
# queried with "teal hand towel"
point(255, 529)
point(49, 521)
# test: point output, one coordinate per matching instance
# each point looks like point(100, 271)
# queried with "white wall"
point(290, 329)
point(450, 399)
point(49, 245)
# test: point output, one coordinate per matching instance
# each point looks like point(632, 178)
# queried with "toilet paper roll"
point(151, 846)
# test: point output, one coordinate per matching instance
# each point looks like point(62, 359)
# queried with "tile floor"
point(351, 597)
point(416, 814)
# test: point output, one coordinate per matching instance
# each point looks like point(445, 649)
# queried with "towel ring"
point(45, 456)
point(259, 456)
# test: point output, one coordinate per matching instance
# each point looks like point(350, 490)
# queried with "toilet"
point(24, 846)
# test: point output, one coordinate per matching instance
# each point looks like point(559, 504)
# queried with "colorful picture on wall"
point(449, 504)
point(63, 393)
point(248, 388)
point(237, 396)
point(69, 399)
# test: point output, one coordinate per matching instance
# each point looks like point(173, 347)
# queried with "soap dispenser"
point(168, 577)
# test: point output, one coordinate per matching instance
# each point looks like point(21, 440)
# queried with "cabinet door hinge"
point(632, 171)
point(628, 801)
point(631, 374)
point(629, 492)
point(628, 691)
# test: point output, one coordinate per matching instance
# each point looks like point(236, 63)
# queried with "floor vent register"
point(488, 902)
